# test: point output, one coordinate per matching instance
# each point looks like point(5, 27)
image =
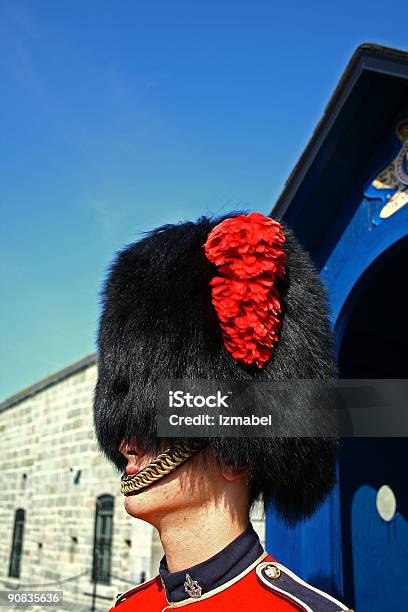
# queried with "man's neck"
point(197, 534)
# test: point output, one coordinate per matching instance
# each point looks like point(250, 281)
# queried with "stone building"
point(61, 510)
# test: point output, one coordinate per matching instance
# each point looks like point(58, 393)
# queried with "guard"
point(231, 299)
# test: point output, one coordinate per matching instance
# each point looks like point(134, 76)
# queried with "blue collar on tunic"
point(216, 571)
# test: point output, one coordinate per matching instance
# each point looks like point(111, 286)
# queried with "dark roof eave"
point(356, 65)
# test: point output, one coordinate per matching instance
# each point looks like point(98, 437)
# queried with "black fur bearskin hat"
point(161, 320)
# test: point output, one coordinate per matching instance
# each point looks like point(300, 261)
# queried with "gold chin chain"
point(162, 465)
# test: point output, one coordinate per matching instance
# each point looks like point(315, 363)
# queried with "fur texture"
point(158, 322)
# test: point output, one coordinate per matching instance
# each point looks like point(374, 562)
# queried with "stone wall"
point(50, 466)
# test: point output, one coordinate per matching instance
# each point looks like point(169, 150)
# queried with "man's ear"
point(233, 473)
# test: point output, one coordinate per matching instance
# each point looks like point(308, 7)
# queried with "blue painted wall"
point(346, 548)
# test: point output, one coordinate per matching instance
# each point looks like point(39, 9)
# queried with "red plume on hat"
point(248, 251)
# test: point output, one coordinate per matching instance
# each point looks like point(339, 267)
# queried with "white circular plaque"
point(386, 503)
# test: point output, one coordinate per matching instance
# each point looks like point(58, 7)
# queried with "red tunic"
point(253, 589)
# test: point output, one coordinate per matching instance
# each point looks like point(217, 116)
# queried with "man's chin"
point(141, 504)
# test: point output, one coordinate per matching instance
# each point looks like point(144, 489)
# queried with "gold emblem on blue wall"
point(390, 186)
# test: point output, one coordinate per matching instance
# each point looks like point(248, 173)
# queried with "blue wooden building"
point(347, 200)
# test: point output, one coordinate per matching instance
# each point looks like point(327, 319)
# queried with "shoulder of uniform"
point(284, 583)
point(139, 589)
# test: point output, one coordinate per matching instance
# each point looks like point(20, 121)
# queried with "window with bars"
point(17, 544)
point(101, 568)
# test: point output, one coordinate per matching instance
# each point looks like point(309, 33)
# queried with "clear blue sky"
point(119, 116)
